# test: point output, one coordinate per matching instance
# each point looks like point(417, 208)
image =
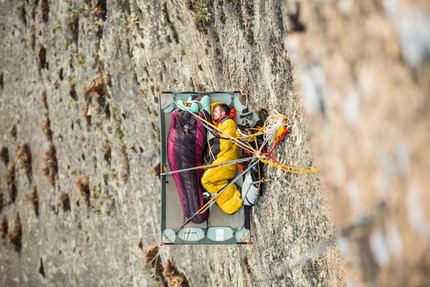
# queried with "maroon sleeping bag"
point(186, 147)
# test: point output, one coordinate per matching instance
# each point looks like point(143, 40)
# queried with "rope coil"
point(274, 126)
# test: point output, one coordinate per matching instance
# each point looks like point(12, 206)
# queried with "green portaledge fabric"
point(168, 236)
point(214, 235)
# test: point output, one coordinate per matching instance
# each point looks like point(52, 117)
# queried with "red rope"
point(278, 141)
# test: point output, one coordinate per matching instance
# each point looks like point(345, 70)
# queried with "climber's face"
point(217, 113)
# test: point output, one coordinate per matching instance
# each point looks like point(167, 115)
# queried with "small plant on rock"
point(133, 21)
point(202, 12)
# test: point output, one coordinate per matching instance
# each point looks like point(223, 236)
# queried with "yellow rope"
point(262, 131)
point(234, 140)
point(269, 129)
point(291, 169)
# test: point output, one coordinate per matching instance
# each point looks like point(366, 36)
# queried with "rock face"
point(363, 70)
point(79, 139)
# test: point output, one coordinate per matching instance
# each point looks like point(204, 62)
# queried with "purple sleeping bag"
point(186, 147)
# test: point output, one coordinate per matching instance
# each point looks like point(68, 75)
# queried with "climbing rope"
point(274, 126)
point(274, 130)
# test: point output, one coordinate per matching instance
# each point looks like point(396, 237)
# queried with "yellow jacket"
point(222, 149)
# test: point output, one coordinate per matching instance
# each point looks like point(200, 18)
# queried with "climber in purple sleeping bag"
point(186, 148)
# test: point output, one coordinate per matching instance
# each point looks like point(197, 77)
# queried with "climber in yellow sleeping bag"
point(222, 149)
